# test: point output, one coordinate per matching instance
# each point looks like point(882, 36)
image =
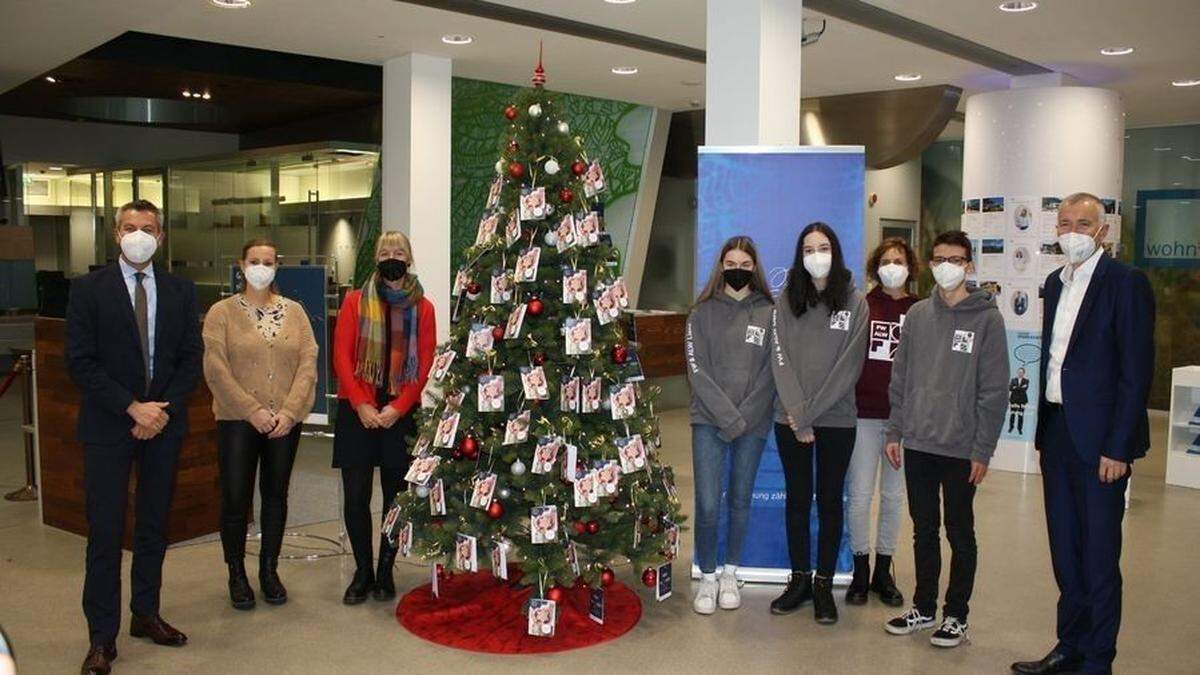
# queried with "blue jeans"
point(708, 463)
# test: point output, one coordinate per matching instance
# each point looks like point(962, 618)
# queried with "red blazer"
point(345, 340)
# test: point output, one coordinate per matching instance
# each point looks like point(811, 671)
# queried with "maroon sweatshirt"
point(883, 337)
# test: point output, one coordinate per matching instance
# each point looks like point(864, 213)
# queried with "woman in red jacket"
point(382, 351)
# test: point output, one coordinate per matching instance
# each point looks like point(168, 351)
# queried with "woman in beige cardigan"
point(260, 361)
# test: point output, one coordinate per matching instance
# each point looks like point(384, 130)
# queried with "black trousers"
point(834, 445)
point(241, 449)
point(356, 489)
point(930, 478)
point(106, 470)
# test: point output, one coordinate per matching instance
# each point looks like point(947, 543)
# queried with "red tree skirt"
point(481, 613)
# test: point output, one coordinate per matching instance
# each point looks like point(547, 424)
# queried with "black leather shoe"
point(824, 608)
point(883, 584)
point(241, 596)
point(798, 592)
point(153, 627)
point(385, 585)
point(99, 659)
point(360, 587)
point(272, 588)
point(856, 593)
point(1054, 662)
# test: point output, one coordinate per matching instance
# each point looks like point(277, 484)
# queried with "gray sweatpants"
point(867, 463)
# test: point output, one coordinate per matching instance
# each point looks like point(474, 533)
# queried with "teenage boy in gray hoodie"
point(949, 394)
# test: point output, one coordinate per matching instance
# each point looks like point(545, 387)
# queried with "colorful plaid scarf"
point(402, 357)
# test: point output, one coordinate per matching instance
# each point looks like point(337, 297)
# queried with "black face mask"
point(392, 269)
point(737, 279)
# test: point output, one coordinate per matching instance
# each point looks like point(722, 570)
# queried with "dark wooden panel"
point(195, 510)
point(660, 343)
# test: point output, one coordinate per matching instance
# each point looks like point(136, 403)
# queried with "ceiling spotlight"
point(620, 2)
point(1185, 83)
point(205, 95)
point(1161, 149)
point(453, 39)
point(231, 4)
point(51, 79)
point(54, 168)
point(1017, 6)
point(187, 93)
point(1116, 51)
point(624, 70)
point(907, 77)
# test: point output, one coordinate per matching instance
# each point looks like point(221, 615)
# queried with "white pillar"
point(416, 168)
point(1039, 141)
point(752, 74)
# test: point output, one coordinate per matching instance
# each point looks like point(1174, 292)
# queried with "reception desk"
point(195, 510)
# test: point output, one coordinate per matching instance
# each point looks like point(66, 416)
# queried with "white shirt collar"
point(1084, 271)
point(127, 270)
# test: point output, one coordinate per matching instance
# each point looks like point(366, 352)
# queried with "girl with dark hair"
point(732, 395)
point(819, 338)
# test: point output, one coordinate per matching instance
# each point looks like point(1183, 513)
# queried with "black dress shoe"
point(883, 584)
point(798, 592)
point(385, 585)
point(153, 627)
point(99, 660)
point(241, 596)
point(272, 588)
point(360, 587)
point(856, 593)
point(824, 608)
point(1054, 662)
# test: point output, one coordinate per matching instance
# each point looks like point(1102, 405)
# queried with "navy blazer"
point(1108, 366)
point(104, 353)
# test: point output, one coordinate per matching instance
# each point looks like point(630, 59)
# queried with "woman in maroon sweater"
point(893, 269)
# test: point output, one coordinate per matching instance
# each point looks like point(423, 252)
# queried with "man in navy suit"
point(134, 350)
point(1097, 361)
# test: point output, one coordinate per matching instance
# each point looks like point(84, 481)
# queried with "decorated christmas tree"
point(541, 452)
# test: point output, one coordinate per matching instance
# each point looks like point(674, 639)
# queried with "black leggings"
point(834, 447)
point(240, 450)
point(356, 488)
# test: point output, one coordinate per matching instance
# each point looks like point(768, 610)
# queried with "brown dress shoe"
point(99, 660)
point(157, 630)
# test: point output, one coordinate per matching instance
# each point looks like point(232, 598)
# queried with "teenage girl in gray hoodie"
point(732, 393)
point(819, 336)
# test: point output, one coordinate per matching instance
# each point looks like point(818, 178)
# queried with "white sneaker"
point(729, 596)
point(909, 622)
point(950, 634)
point(706, 597)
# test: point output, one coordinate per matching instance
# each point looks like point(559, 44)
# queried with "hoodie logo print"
point(755, 335)
point(964, 341)
point(840, 320)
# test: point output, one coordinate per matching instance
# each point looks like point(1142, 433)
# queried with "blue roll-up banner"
point(771, 194)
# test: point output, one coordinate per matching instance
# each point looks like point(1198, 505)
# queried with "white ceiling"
point(36, 35)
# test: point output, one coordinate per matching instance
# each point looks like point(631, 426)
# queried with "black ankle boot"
point(798, 591)
point(824, 608)
point(883, 584)
point(360, 587)
point(385, 586)
point(241, 596)
point(268, 582)
point(860, 585)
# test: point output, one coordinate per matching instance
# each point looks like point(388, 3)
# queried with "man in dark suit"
point(134, 351)
point(1097, 361)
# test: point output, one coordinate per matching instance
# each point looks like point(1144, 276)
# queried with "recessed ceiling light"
point(205, 96)
point(1161, 149)
point(1018, 6)
point(1189, 158)
point(620, 2)
point(231, 4)
point(51, 79)
point(907, 77)
point(454, 39)
point(54, 168)
point(1185, 83)
point(1116, 51)
point(187, 93)
point(624, 70)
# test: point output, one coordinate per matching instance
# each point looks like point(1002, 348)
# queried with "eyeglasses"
point(953, 260)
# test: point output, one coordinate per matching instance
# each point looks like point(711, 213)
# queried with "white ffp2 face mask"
point(1076, 246)
point(948, 275)
point(138, 246)
point(818, 264)
point(893, 275)
point(259, 276)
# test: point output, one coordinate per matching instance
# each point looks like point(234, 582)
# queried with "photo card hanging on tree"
point(588, 228)
point(389, 528)
point(502, 287)
point(607, 308)
point(500, 559)
point(585, 488)
point(421, 469)
point(516, 320)
point(487, 228)
point(420, 446)
point(593, 395)
point(671, 538)
point(437, 498)
point(533, 204)
point(493, 197)
point(608, 476)
point(574, 286)
point(596, 605)
point(593, 179)
point(568, 396)
point(465, 553)
point(570, 462)
point(533, 381)
point(527, 264)
point(516, 429)
point(482, 487)
point(623, 400)
point(545, 453)
point(480, 341)
point(620, 292)
point(490, 393)
point(632, 452)
point(662, 589)
point(512, 230)
point(564, 234)
point(454, 400)
point(542, 617)
point(404, 539)
point(543, 524)
point(579, 335)
point(446, 430)
point(572, 555)
point(461, 279)
point(441, 363)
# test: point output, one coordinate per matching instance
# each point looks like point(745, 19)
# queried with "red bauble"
point(578, 167)
point(495, 510)
point(469, 446)
point(593, 527)
point(649, 577)
point(498, 332)
point(607, 577)
point(511, 112)
point(473, 288)
point(516, 169)
point(580, 527)
point(620, 354)
point(565, 195)
point(536, 307)
point(538, 359)
point(556, 594)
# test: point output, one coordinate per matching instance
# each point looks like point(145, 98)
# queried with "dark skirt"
point(356, 447)
point(1018, 397)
